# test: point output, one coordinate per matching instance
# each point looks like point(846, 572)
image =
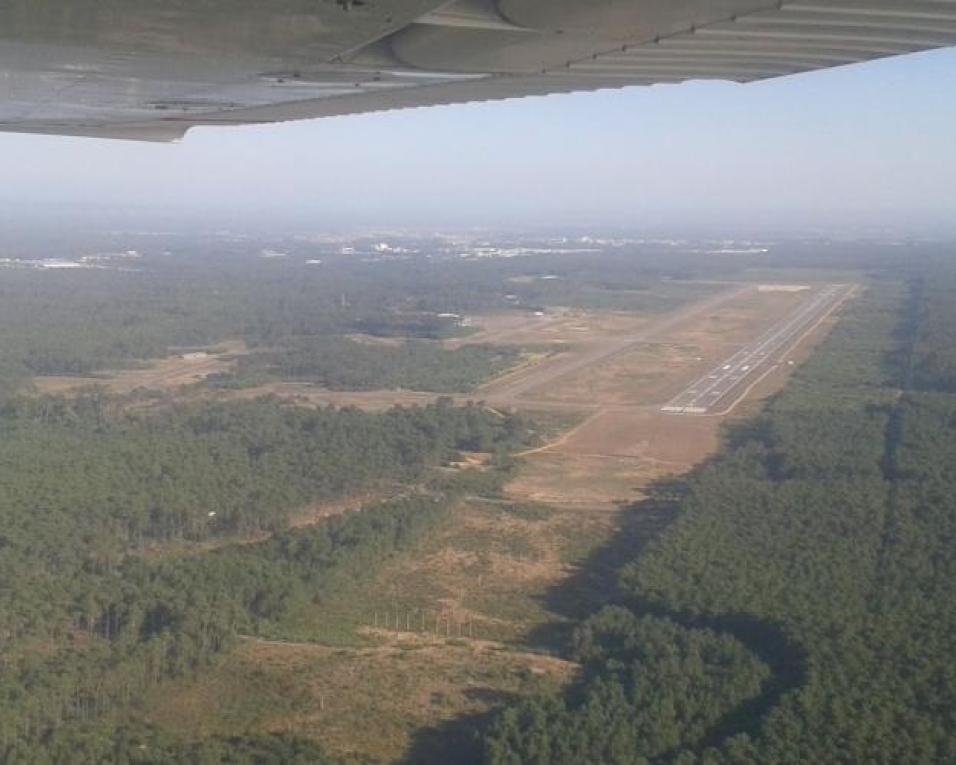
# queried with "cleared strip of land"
point(523, 389)
point(707, 394)
point(440, 632)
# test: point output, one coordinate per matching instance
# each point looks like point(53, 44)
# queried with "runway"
point(707, 394)
point(516, 392)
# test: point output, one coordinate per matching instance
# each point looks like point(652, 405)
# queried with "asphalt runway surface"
point(709, 393)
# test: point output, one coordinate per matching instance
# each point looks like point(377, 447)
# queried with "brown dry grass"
point(159, 374)
point(738, 322)
point(628, 442)
point(478, 586)
point(464, 602)
point(488, 576)
point(363, 705)
point(558, 326)
point(642, 375)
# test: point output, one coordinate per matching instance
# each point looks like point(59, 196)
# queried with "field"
point(439, 635)
point(414, 508)
point(160, 374)
point(605, 372)
point(364, 703)
point(816, 551)
point(626, 441)
point(433, 635)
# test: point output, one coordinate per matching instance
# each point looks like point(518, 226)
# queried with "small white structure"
point(783, 287)
point(194, 356)
point(56, 263)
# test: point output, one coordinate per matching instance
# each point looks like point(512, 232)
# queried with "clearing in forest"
point(450, 629)
point(186, 368)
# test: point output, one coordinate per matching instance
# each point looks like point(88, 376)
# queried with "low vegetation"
point(91, 626)
point(340, 363)
point(797, 610)
point(803, 589)
point(78, 321)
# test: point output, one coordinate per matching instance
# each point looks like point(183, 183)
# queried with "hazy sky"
point(872, 143)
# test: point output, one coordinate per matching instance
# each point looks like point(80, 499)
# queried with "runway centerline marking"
point(705, 393)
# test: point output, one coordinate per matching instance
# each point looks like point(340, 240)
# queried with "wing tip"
point(167, 131)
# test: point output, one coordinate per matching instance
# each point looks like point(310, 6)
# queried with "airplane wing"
point(151, 69)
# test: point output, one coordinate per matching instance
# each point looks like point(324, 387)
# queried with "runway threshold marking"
point(708, 391)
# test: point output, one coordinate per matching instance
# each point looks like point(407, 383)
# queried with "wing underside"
point(151, 69)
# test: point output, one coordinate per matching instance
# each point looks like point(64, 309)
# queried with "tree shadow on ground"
point(594, 585)
point(590, 588)
point(595, 582)
point(453, 742)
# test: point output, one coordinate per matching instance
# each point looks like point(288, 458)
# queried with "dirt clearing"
point(361, 705)
point(160, 374)
point(626, 442)
point(441, 632)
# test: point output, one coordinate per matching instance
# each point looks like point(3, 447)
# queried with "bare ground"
point(363, 704)
point(439, 633)
point(626, 442)
point(160, 374)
